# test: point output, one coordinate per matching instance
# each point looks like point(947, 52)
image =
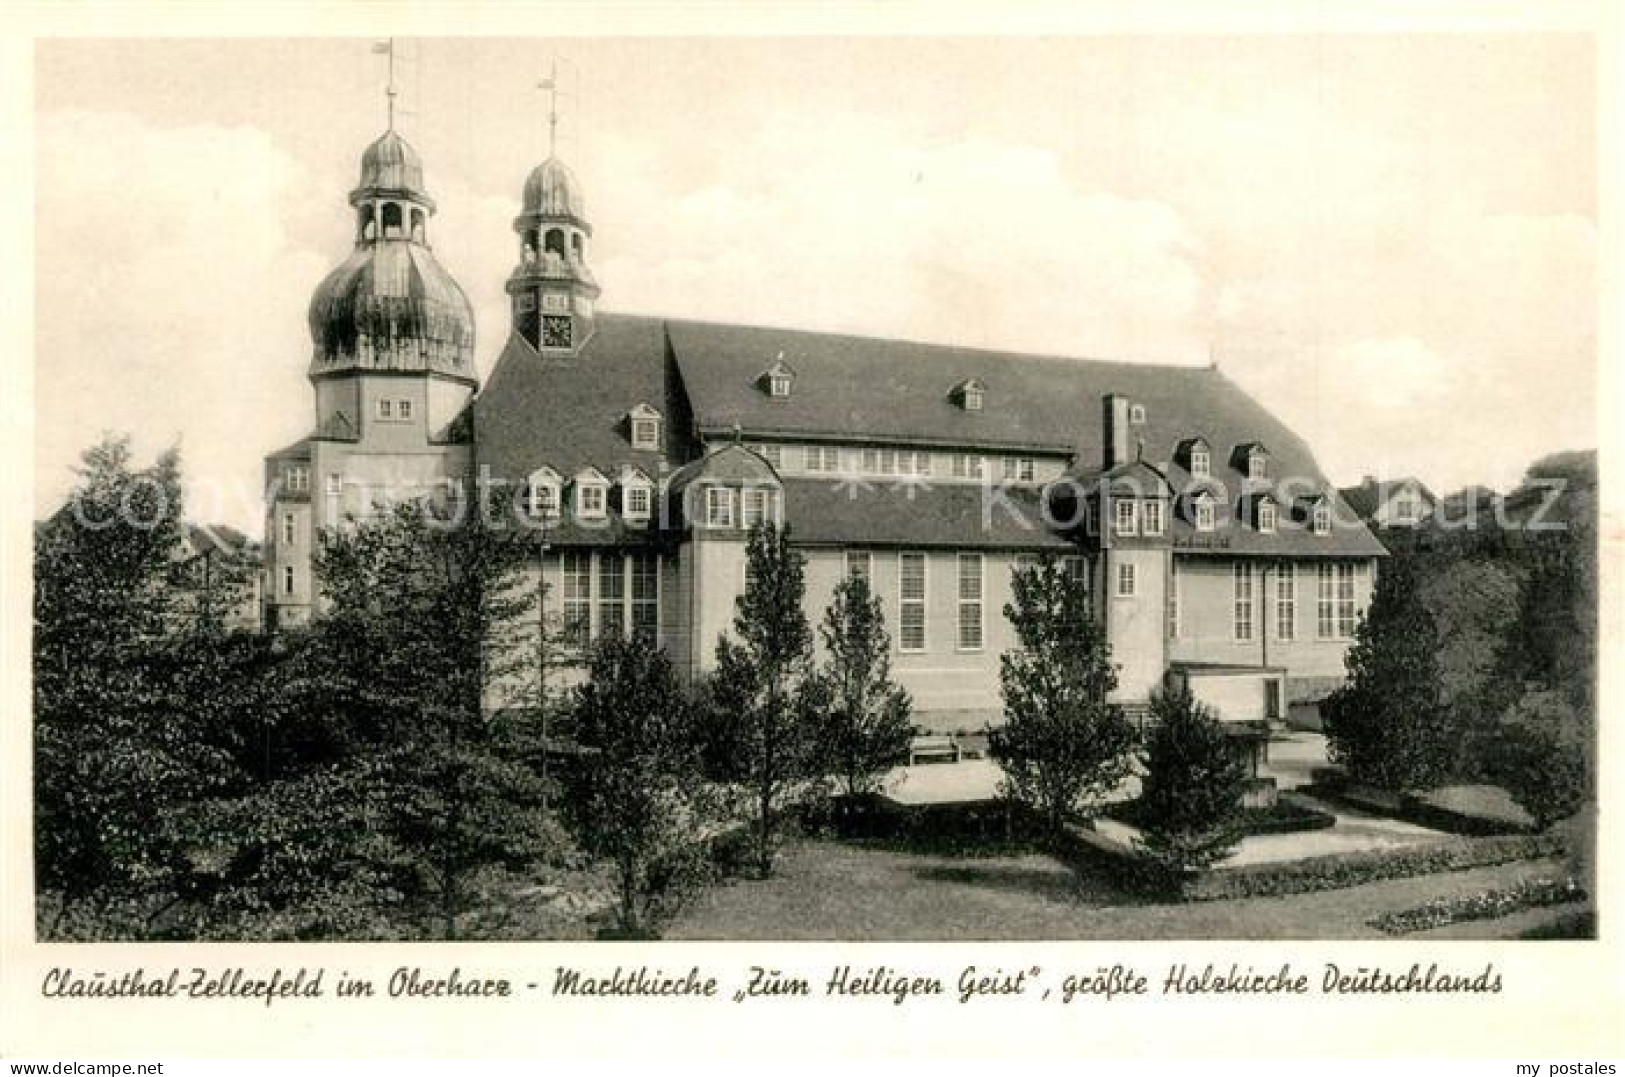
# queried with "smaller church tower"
point(552, 289)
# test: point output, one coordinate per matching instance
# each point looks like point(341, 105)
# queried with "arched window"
point(392, 220)
point(417, 226)
point(366, 226)
point(555, 241)
point(579, 245)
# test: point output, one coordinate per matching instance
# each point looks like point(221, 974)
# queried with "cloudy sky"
point(1390, 240)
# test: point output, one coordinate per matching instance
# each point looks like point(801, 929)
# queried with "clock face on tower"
point(556, 331)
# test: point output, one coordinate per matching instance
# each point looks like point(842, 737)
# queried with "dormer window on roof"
point(1202, 507)
point(1252, 460)
point(592, 493)
point(643, 423)
point(1196, 457)
point(637, 495)
point(542, 493)
point(1266, 517)
point(1136, 414)
point(1323, 519)
point(970, 394)
point(778, 378)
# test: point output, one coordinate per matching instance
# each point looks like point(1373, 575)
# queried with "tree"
point(133, 725)
point(426, 624)
point(1541, 756)
point(1190, 797)
point(638, 797)
point(867, 728)
point(1063, 746)
point(764, 699)
point(1388, 724)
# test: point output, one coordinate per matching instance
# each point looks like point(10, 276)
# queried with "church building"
point(644, 448)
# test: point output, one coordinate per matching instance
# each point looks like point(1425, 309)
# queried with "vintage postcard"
point(1093, 521)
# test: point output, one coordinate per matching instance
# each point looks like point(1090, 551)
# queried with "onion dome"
point(391, 306)
point(391, 168)
point(552, 190)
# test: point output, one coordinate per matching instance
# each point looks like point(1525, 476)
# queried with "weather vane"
point(387, 47)
point(551, 85)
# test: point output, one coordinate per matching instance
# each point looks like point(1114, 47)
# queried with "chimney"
point(1113, 430)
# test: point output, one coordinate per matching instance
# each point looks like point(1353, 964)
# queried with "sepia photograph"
point(938, 489)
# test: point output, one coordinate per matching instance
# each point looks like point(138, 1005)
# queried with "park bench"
point(936, 749)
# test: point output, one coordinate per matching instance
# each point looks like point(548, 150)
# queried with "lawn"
point(874, 892)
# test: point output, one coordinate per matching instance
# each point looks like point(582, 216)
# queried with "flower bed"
point(1488, 905)
point(1289, 814)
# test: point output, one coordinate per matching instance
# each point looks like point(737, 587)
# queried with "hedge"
point(1334, 871)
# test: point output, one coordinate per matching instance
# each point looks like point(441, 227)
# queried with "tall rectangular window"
point(1173, 599)
point(858, 563)
point(576, 592)
point(824, 458)
point(753, 507)
point(636, 502)
point(719, 507)
point(970, 601)
point(1126, 580)
point(289, 529)
point(645, 594)
point(773, 454)
point(911, 602)
point(1126, 516)
point(645, 434)
point(1076, 568)
point(611, 595)
point(1153, 516)
point(287, 580)
point(966, 466)
point(403, 409)
point(1286, 602)
point(1345, 601)
point(1326, 602)
point(1242, 575)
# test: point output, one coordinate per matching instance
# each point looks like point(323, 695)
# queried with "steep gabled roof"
point(1371, 495)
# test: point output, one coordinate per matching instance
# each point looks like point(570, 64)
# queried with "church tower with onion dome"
point(392, 367)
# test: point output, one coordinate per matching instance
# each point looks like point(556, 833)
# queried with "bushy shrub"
point(1190, 798)
point(1539, 756)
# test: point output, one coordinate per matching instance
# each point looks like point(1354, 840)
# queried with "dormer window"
point(1266, 517)
point(643, 422)
point(1152, 517)
point(1136, 414)
point(1196, 457)
point(592, 493)
point(1202, 510)
point(637, 495)
point(542, 493)
point(1258, 467)
point(1201, 464)
point(719, 507)
point(1323, 519)
point(778, 378)
point(970, 394)
point(1252, 460)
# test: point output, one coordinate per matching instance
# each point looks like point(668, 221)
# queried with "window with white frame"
point(1266, 517)
point(289, 529)
point(645, 433)
point(1153, 516)
point(591, 498)
point(914, 463)
point(542, 499)
point(824, 458)
point(611, 595)
point(637, 500)
point(1286, 602)
point(757, 505)
point(973, 398)
point(575, 569)
point(1326, 602)
point(880, 461)
point(335, 484)
point(1346, 613)
point(1405, 511)
point(970, 602)
point(1242, 593)
point(403, 410)
point(296, 478)
point(1201, 463)
point(1172, 610)
point(719, 506)
point(1323, 520)
point(1136, 414)
point(287, 579)
point(1019, 469)
point(773, 454)
point(1076, 568)
point(644, 593)
point(1204, 515)
point(386, 408)
point(1125, 516)
point(1126, 579)
point(965, 466)
point(859, 563)
point(779, 385)
point(911, 602)
point(1258, 466)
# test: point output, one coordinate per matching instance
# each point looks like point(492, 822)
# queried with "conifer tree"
point(1190, 797)
point(867, 729)
point(1063, 747)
